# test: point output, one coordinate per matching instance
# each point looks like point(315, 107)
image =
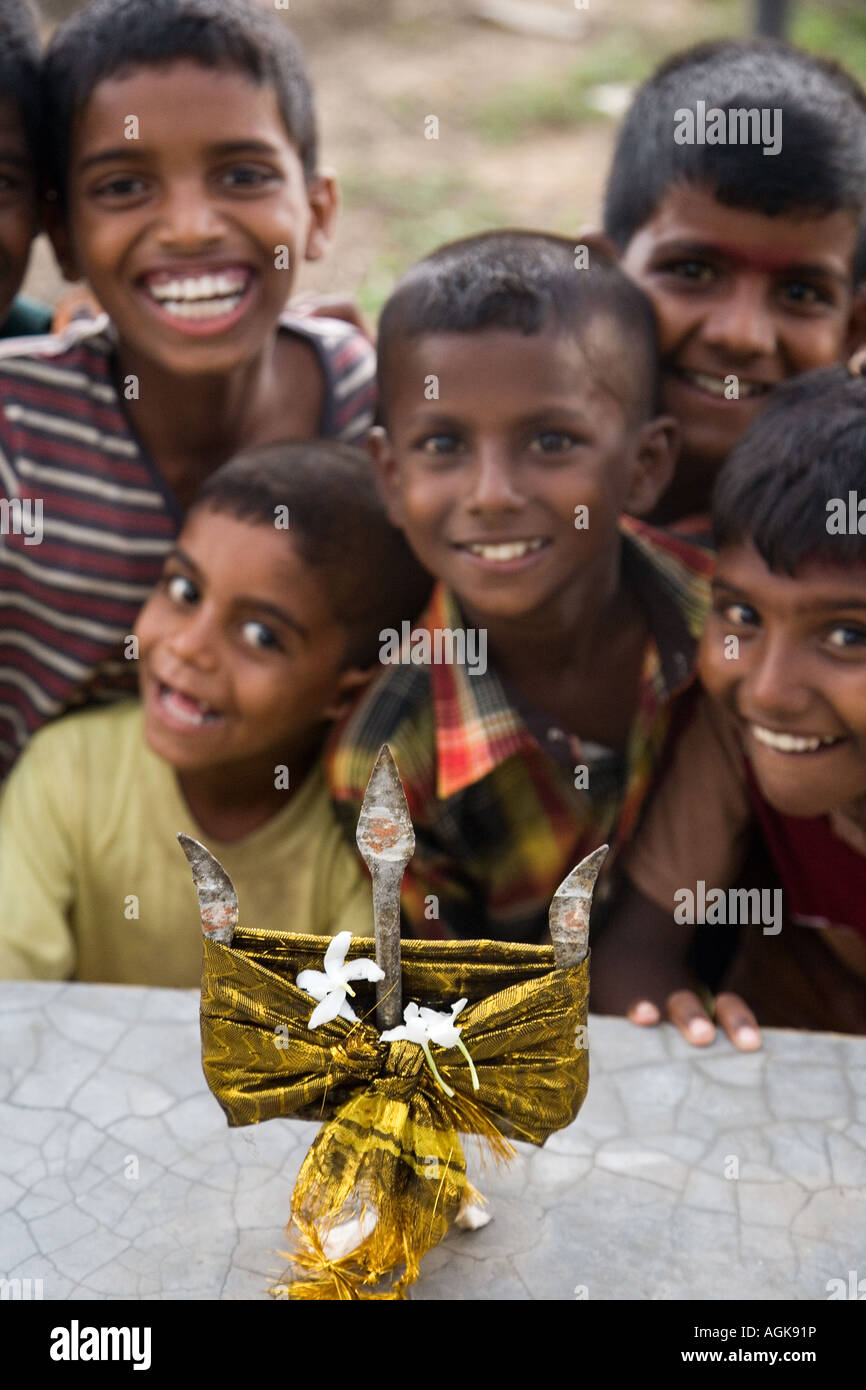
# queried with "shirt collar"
point(476, 725)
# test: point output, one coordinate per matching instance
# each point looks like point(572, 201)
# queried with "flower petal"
point(458, 1007)
point(314, 982)
point(363, 969)
point(336, 952)
point(328, 1009)
point(397, 1035)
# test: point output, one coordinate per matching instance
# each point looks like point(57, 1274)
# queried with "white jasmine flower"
point(332, 986)
point(426, 1026)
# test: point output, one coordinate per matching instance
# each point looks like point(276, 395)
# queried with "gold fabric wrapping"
point(390, 1151)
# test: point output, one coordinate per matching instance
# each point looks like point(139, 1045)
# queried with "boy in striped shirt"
point(181, 151)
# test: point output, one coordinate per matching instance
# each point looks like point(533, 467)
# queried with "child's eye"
point(801, 293)
point(741, 614)
point(180, 589)
point(697, 271)
point(260, 635)
point(554, 442)
point(247, 176)
point(846, 636)
point(120, 187)
point(439, 444)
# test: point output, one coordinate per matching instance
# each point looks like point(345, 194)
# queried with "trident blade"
point(387, 842)
point(569, 910)
point(217, 900)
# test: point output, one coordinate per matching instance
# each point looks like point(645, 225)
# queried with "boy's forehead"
point(178, 100)
point(557, 362)
point(691, 220)
point(816, 585)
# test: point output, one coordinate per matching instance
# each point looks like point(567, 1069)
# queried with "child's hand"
point(639, 970)
point(684, 1008)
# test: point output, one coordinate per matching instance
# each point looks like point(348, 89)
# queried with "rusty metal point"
point(570, 908)
point(386, 841)
point(217, 899)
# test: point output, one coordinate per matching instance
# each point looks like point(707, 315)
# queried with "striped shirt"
point(500, 815)
point(86, 520)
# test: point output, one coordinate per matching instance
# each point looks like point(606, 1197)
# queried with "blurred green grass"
point(420, 212)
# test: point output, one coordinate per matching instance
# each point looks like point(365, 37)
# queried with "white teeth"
point(192, 288)
point(512, 550)
point(790, 743)
point(200, 308)
point(717, 385)
point(184, 709)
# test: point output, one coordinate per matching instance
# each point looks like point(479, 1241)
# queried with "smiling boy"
point(752, 260)
point(254, 640)
point(183, 159)
point(778, 743)
point(518, 399)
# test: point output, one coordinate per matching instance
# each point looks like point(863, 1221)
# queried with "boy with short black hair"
point(778, 743)
point(735, 197)
point(519, 416)
point(263, 627)
point(188, 194)
point(19, 142)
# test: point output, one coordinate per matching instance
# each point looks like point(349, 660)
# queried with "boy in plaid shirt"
point(528, 707)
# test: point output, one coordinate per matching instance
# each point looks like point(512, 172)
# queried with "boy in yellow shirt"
point(261, 629)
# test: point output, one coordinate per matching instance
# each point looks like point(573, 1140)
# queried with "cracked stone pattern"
point(120, 1179)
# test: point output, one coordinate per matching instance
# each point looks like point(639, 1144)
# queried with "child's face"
point(240, 656)
point(738, 293)
point(486, 480)
point(18, 216)
point(797, 686)
point(185, 231)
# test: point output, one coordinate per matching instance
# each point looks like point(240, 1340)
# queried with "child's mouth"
point(792, 743)
point(201, 303)
point(504, 554)
point(720, 387)
point(184, 711)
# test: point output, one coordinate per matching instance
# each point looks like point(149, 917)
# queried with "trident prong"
point(387, 842)
point(217, 899)
point(569, 910)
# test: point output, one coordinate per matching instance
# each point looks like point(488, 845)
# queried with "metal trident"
point(387, 842)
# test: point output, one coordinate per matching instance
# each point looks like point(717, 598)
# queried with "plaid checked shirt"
point(491, 788)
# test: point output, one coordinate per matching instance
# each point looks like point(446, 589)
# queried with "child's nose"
point(194, 640)
point(775, 682)
point(189, 221)
point(742, 322)
point(494, 484)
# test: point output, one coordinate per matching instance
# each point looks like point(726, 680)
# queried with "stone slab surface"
point(688, 1174)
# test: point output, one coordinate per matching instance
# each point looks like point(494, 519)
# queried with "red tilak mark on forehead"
point(762, 259)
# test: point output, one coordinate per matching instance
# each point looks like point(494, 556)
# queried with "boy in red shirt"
point(778, 743)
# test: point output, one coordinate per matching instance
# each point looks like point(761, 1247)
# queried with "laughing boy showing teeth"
point(180, 142)
point(752, 260)
point(254, 641)
point(780, 745)
point(519, 422)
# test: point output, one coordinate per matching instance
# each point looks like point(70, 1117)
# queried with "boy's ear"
point(349, 685)
point(385, 472)
point(857, 320)
point(597, 241)
point(654, 464)
point(57, 228)
point(324, 199)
